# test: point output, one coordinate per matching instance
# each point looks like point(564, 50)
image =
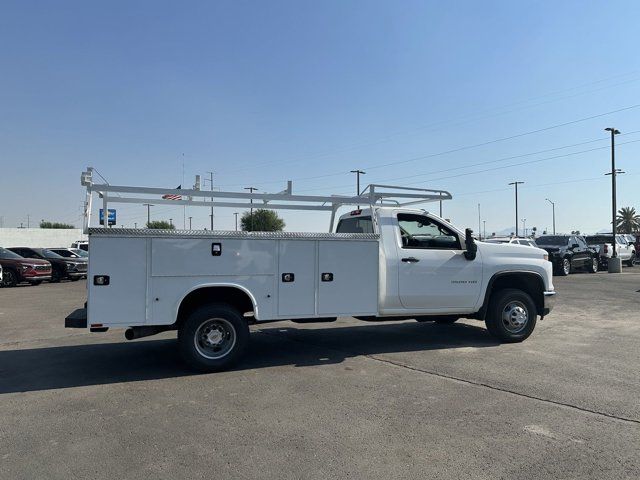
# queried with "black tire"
point(631, 261)
point(74, 279)
point(9, 278)
point(230, 338)
point(564, 268)
point(55, 276)
point(36, 283)
point(594, 265)
point(504, 318)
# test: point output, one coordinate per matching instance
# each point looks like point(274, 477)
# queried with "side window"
point(418, 231)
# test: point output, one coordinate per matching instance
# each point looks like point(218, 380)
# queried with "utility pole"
point(479, 229)
point(358, 173)
point(190, 222)
point(516, 183)
point(236, 215)
point(553, 208)
point(613, 173)
point(211, 184)
point(484, 229)
point(251, 190)
point(28, 221)
point(148, 205)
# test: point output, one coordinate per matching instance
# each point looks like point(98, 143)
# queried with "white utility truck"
point(387, 261)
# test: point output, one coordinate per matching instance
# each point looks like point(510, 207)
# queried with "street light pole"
point(190, 222)
point(613, 173)
point(479, 229)
point(251, 190)
point(524, 226)
point(148, 205)
point(515, 184)
point(358, 173)
point(236, 215)
point(211, 185)
point(553, 209)
point(484, 229)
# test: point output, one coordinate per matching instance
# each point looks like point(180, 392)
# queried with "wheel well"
point(232, 296)
point(530, 283)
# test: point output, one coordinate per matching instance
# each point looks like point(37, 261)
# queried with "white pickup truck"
point(383, 262)
point(604, 244)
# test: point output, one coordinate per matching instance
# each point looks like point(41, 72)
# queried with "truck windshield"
point(598, 239)
point(552, 240)
point(355, 225)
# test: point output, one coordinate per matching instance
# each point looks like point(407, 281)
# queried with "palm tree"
point(627, 220)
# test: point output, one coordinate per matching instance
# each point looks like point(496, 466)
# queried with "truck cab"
point(425, 267)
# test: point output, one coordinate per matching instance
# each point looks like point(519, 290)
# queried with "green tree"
point(262, 220)
point(160, 225)
point(627, 221)
point(44, 224)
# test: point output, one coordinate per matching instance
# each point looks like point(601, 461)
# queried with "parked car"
point(604, 246)
point(75, 253)
point(529, 242)
point(79, 252)
point(81, 244)
point(569, 252)
point(17, 269)
point(71, 268)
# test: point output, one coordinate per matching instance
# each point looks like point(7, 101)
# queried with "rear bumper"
point(76, 319)
point(549, 298)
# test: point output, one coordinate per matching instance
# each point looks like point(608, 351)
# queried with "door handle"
point(410, 260)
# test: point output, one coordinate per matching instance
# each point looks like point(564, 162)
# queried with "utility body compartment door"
point(296, 293)
point(350, 285)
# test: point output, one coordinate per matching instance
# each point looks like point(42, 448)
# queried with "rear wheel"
point(594, 265)
point(213, 338)
point(511, 316)
point(9, 279)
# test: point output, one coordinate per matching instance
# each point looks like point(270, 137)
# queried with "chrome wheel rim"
point(515, 317)
point(566, 266)
point(595, 264)
point(215, 338)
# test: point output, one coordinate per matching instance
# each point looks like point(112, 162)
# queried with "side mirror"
point(470, 244)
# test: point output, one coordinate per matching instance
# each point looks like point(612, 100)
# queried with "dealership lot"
point(336, 400)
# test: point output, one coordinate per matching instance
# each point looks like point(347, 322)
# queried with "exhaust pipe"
point(133, 333)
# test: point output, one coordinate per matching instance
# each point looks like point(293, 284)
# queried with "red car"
point(17, 269)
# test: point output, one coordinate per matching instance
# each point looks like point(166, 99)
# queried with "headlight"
point(546, 256)
point(25, 267)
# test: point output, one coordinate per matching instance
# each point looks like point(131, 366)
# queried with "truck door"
point(433, 272)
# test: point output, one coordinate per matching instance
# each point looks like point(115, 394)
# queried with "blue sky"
point(262, 92)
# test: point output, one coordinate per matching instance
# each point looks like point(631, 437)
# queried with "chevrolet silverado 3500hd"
point(382, 262)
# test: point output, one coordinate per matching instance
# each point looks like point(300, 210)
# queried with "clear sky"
point(261, 92)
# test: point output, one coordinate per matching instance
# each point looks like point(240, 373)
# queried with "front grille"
point(42, 268)
point(82, 267)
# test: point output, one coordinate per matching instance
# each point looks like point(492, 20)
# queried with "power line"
point(457, 149)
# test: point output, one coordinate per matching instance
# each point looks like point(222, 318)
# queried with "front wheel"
point(9, 279)
point(564, 268)
point(55, 276)
point(594, 265)
point(631, 261)
point(511, 316)
point(213, 338)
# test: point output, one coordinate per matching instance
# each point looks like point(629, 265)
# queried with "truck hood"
point(23, 261)
point(511, 250)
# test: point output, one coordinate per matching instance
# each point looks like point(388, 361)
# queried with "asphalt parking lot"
point(339, 400)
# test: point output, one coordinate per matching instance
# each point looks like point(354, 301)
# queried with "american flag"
point(171, 196)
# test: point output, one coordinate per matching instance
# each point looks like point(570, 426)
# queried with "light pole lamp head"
point(612, 130)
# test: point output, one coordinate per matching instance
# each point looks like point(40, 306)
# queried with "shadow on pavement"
point(104, 363)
